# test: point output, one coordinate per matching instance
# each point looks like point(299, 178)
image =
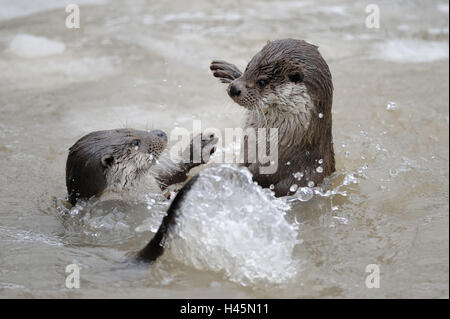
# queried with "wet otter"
point(113, 160)
point(288, 86)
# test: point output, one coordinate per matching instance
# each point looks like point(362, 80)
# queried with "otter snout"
point(157, 142)
point(159, 134)
point(242, 93)
point(234, 91)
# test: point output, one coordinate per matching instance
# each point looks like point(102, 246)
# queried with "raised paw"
point(225, 71)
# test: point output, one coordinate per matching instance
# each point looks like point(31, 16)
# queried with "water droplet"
point(319, 169)
point(298, 175)
point(293, 188)
point(321, 161)
point(305, 194)
point(288, 163)
point(271, 186)
point(391, 106)
point(344, 145)
point(393, 172)
point(310, 184)
point(320, 115)
point(341, 220)
point(350, 179)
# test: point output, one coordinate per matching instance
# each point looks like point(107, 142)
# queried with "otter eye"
point(261, 83)
point(295, 77)
point(107, 160)
point(136, 143)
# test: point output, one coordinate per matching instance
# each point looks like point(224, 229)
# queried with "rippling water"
point(146, 65)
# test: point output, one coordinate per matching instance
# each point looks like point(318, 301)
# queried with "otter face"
point(132, 154)
point(287, 76)
point(111, 159)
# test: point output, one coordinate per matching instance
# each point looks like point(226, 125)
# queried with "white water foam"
point(412, 51)
point(111, 222)
point(23, 236)
point(30, 46)
point(229, 224)
point(443, 7)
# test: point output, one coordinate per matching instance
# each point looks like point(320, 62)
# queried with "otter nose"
point(234, 91)
point(160, 134)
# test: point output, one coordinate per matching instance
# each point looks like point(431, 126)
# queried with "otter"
point(111, 161)
point(288, 86)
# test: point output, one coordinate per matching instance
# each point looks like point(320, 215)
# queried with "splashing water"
point(111, 222)
point(216, 231)
point(304, 194)
point(391, 106)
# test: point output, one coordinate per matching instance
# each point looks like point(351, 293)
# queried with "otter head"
point(111, 159)
point(288, 76)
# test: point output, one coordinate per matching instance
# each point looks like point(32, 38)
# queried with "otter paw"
point(225, 71)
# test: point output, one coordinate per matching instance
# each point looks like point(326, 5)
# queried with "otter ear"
point(296, 76)
point(107, 160)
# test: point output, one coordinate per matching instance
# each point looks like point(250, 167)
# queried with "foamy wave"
point(89, 68)
point(18, 235)
point(229, 224)
point(412, 51)
point(30, 46)
point(443, 7)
